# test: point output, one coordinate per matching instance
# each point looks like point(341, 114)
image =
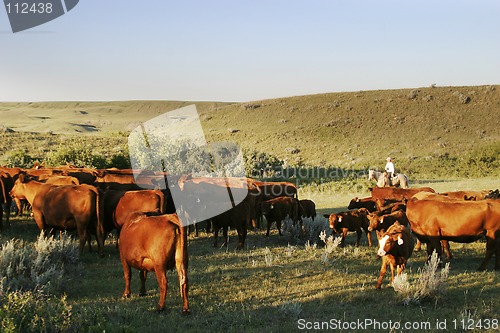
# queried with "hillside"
point(355, 129)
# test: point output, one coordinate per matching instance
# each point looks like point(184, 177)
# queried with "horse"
point(382, 179)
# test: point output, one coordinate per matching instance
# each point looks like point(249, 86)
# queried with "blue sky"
point(248, 50)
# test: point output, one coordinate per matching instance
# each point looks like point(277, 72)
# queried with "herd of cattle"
point(153, 232)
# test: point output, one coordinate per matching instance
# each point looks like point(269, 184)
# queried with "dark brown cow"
point(238, 217)
point(307, 208)
point(353, 220)
point(277, 209)
point(64, 208)
point(6, 184)
point(458, 221)
point(367, 203)
point(395, 247)
point(154, 244)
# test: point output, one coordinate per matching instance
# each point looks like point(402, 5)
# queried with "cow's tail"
point(99, 207)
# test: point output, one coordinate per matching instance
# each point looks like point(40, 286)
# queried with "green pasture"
point(278, 285)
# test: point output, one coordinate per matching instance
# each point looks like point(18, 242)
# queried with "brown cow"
point(277, 209)
point(138, 201)
point(271, 190)
point(467, 195)
point(458, 221)
point(367, 203)
point(238, 217)
point(307, 208)
point(59, 180)
point(63, 208)
point(155, 243)
point(353, 220)
point(379, 194)
point(382, 223)
point(395, 247)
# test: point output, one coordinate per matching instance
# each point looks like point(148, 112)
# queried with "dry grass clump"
point(430, 285)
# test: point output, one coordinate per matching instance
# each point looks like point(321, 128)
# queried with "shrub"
point(430, 285)
point(34, 311)
point(40, 266)
point(19, 159)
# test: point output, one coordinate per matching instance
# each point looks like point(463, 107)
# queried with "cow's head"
point(391, 239)
point(375, 221)
point(335, 220)
point(267, 207)
point(19, 188)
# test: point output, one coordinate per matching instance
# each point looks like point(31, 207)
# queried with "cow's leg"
point(490, 250)
point(278, 225)
point(183, 283)
point(344, 234)
point(126, 276)
point(1, 217)
point(142, 276)
point(358, 237)
point(269, 222)
point(7, 213)
point(161, 276)
point(418, 247)
point(83, 235)
point(242, 234)
point(216, 235)
point(226, 237)
point(434, 244)
point(383, 269)
point(445, 245)
point(369, 237)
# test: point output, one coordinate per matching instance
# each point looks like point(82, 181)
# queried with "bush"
point(41, 266)
point(19, 159)
point(430, 285)
point(34, 311)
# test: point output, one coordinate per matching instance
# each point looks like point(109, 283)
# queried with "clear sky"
point(230, 50)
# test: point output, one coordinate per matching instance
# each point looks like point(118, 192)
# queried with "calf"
point(307, 208)
point(238, 217)
point(150, 242)
point(395, 247)
point(277, 209)
point(353, 220)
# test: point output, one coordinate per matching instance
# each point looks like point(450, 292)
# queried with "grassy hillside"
point(348, 130)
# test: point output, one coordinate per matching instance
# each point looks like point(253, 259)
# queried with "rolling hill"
point(352, 129)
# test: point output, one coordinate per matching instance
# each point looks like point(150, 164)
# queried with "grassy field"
point(278, 285)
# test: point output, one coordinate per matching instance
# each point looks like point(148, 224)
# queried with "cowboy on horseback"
point(389, 168)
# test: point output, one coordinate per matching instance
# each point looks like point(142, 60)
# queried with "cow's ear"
point(357, 199)
point(400, 240)
point(381, 220)
point(22, 178)
point(340, 218)
point(272, 206)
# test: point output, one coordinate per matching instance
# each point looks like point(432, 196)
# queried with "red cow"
point(458, 221)
point(152, 243)
point(353, 220)
point(63, 208)
point(395, 247)
point(380, 194)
